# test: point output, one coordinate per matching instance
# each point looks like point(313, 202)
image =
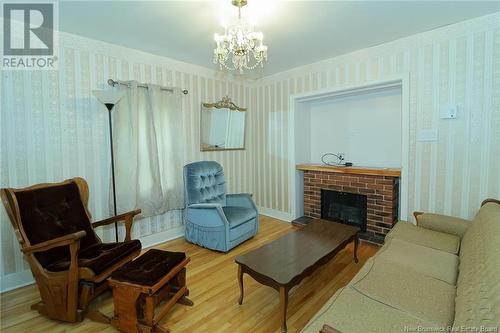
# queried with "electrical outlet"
point(341, 156)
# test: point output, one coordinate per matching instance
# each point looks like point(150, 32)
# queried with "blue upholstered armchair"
point(214, 219)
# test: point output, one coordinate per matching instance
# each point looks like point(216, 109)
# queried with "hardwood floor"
point(212, 280)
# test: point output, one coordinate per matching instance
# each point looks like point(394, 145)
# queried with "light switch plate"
point(427, 135)
point(448, 111)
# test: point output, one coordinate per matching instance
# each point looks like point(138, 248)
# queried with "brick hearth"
point(382, 193)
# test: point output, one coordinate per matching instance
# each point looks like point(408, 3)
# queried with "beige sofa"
point(440, 275)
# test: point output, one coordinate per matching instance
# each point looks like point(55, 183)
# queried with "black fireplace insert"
point(344, 207)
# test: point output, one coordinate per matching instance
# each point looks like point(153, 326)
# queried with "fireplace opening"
point(344, 207)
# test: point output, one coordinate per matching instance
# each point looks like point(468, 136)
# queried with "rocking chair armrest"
point(117, 218)
point(127, 217)
point(56, 242)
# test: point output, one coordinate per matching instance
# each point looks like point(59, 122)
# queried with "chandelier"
point(240, 47)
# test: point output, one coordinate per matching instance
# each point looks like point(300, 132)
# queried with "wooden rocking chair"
point(68, 260)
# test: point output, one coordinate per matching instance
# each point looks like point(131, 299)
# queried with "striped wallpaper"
point(52, 128)
point(459, 64)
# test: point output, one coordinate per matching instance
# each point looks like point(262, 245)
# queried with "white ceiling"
point(297, 32)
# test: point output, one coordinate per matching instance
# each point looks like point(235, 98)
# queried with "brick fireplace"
point(379, 185)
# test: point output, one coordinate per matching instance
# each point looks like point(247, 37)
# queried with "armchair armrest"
point(206, 214)
point(56, 242)
point(205, 206)
point(241, 200)
point(329, 329)
point(127, 217)
point(442, 223)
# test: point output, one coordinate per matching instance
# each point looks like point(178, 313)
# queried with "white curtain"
point(148, 141)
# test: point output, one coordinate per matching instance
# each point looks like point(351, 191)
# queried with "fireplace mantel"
point(354, 170)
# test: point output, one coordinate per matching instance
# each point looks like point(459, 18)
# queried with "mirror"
point(222, 126)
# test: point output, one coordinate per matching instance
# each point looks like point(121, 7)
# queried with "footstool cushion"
point(149, 268)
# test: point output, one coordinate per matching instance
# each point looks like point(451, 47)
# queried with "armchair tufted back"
point(204, 183)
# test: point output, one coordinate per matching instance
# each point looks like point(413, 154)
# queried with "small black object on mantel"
point(339, 163)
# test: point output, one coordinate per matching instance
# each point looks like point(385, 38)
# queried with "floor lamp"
point(109, 98)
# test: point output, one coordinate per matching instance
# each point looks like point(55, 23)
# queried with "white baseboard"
point(24, 278)
point(161, 237)
point(277, 214)
point(16, 280)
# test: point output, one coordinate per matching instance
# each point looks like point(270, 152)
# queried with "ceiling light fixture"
point(240, 45)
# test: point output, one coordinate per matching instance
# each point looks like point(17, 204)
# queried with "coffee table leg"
point(356, 243)
point(283, 306)
point(240, 282)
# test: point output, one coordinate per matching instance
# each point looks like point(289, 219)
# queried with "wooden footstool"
point(140, 285)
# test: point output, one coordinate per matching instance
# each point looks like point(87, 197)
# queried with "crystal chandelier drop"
point(240, 47)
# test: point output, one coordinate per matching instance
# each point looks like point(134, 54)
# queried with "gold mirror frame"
point(225, 103)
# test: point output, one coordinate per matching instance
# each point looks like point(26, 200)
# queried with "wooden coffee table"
point(286, 261)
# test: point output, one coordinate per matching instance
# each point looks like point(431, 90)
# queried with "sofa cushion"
point(363, 271)
point(99, 257)
point(478, 284)
point(351, 312)
point(424, 297)
point(238, 215)
point(440, 265)
point(425, 237)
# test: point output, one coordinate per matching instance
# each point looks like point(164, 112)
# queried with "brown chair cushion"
point(52, 212)
point(99, 257)
point(149, 268)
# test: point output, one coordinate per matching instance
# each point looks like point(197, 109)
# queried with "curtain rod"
point(112, 83)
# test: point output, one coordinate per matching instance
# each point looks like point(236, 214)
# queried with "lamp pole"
point(110, 106)
point(109, 98)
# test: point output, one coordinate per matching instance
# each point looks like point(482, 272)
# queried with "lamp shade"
point(108, 96)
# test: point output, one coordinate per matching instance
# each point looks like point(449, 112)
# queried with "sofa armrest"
point(241, 200)
point(206, 214)
point(490, 200)
point(442, 223)
point(329, 329)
